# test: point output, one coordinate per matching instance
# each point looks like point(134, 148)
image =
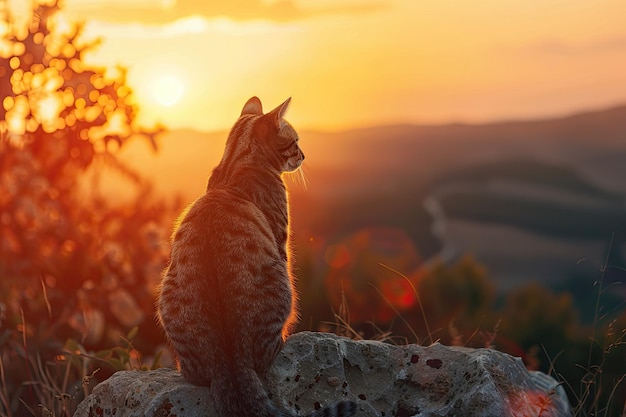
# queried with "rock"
point(316, 369)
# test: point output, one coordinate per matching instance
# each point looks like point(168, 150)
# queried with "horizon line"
point(453, 122)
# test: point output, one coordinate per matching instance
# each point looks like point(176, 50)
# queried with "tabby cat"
point(227, 300)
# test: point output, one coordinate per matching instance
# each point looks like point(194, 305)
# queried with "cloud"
point(241, 10)
point(190, 25)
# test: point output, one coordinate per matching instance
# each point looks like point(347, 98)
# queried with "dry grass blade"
point(5, 411)
point(342, 320)
point(612, 396)
point(419, 300)
point(387, 335)
point(45, 298)
point(397, 313)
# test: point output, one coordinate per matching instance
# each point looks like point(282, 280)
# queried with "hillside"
point(528, 198)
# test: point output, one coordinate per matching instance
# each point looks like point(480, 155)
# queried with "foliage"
point(74, 263)
point(535, 316)
point(436, 302)
point(455, 304)
point(373, 293)
point(602, 387)
point(459, 298)
point(78, 267)
point(602, 376)
point(59, 384)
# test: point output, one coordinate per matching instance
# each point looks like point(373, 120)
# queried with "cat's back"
point(220, 250)
point(227, 300)
point(223, 226)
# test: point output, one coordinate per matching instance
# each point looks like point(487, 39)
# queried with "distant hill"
point(528, 198)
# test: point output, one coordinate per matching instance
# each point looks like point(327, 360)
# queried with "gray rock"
point(316, 369)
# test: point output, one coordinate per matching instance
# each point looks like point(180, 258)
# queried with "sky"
point(358, 63)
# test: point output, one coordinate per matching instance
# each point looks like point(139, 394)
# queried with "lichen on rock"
point(317, 369)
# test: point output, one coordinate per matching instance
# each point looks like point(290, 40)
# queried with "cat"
point(227, 300)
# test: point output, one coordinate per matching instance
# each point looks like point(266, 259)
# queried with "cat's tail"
point(242, 394)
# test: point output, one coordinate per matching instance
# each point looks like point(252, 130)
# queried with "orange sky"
point(356, 63)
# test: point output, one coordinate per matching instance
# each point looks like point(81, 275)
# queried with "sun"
point(167, 89)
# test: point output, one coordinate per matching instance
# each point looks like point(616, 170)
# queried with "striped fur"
point(227, 300)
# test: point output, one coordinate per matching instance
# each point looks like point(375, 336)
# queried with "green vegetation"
point(455, 304)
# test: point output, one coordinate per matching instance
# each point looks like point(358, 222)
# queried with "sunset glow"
point(361, 63)
point(167, 89)
point(463, 186)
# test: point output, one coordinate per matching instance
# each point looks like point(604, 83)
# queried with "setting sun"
point(464, 192)
point(162, 91)
point(167, 89)
point(427, 63)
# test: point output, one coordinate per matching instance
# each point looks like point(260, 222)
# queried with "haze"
point(362, 63)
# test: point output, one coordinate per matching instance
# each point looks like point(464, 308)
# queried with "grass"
point(57, 386)
point(60, 384)
point(591, 391)
point(590, 400)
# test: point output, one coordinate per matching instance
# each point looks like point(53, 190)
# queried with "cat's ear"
point(279, 112)
point(252, 106)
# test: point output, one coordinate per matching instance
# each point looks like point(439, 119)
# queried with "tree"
point(458, 297)
point(74, 263)
point(536, 319)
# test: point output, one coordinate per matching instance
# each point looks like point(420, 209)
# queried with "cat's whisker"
point(300, 178)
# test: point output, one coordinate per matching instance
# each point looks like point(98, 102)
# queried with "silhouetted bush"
point(74, 262)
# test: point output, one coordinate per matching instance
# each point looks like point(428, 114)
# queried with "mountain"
point(528, 198)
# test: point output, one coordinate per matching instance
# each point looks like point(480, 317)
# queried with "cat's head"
point(273, 136)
